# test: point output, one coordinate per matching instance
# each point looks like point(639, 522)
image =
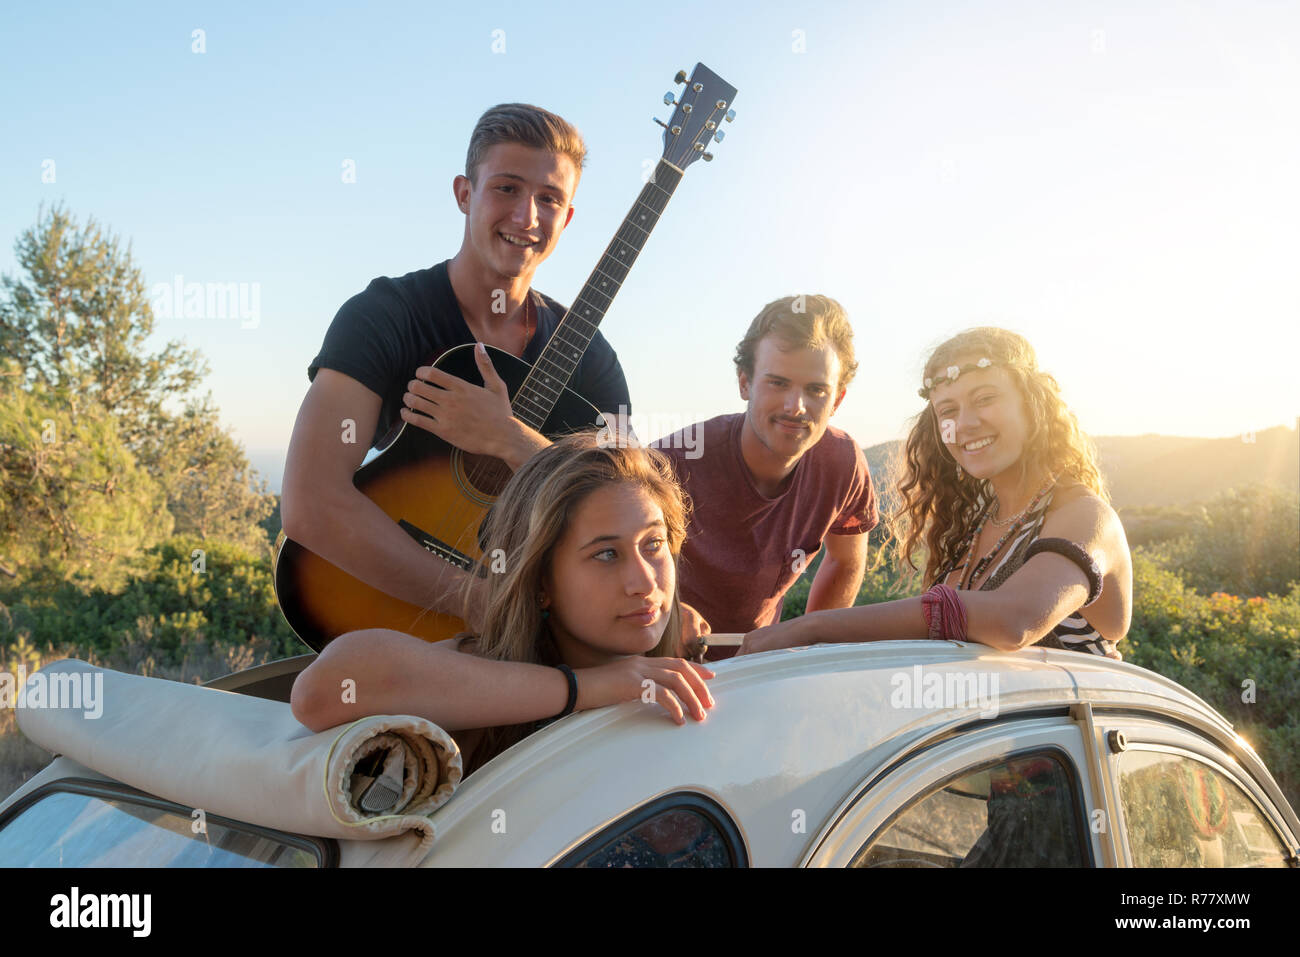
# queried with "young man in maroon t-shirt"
point(770, 485)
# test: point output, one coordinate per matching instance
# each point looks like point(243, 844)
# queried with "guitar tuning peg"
point(731, 116)
point(660, 122)
point(708, 157)
point(680, 77)
point(718, 136)
point(669, 100)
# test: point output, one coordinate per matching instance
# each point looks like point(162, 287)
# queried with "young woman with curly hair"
point(580, 612)
point(1001, 495)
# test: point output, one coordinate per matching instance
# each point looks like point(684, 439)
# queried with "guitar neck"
point(534, 400)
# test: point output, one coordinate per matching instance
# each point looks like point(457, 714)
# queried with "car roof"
point(793, 730)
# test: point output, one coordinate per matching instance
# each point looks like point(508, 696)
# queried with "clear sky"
point(1118, 181)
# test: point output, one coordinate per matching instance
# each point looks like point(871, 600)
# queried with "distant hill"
point(1158, 470)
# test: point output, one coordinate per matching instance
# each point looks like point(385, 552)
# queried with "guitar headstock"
point(701, 107)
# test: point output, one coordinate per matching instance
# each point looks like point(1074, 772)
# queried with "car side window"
point(681, 830)
point(1018, 812)
point(73, 829)
point(1180, 812)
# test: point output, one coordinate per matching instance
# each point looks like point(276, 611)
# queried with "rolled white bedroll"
point(242, 757)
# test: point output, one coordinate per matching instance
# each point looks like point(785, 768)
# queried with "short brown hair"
point(529, 126)
point(802, 322)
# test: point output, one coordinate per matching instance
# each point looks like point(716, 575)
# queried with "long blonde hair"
point(527, 521)
point(936, 511)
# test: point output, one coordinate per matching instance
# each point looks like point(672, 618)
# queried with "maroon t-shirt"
point(740, 553)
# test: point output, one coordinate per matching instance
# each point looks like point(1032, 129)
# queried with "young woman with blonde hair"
point(583, 614)
point(1000, 492)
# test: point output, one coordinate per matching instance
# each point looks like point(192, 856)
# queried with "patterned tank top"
point(1074, 633)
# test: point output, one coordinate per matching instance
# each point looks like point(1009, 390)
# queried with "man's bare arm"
point(323, 511)
point(840, 574)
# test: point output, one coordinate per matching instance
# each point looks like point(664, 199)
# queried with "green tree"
point(79, 324)
point(73, 502)
point(212, 491)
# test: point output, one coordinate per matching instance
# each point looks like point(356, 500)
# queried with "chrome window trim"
point(926, 740)
point(853, 827)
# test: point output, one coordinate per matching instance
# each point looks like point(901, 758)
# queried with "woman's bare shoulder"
point(1082, 516)
point(1078, 500)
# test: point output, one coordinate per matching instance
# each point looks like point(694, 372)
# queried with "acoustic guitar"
point(439, 494)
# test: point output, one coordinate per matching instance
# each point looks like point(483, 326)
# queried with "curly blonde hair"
point(527, 521)
point(936, 511)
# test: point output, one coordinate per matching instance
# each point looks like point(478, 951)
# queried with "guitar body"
point(439, 494)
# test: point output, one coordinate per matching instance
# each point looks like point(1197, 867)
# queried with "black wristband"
point(573, 690)
point(1068, 549)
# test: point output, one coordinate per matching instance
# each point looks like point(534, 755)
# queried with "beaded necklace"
point(1016, 525)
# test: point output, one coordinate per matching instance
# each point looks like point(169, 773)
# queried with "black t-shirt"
point(381, 336)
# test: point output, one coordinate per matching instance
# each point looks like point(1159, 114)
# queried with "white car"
point(883, 754)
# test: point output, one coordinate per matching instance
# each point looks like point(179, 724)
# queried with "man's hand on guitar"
point(475, 419)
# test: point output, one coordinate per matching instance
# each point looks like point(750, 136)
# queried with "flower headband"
point(950, 375)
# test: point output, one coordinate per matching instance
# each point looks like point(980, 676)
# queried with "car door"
point(1019, 792)
point(1184, 801)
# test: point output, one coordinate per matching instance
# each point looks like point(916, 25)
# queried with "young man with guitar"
point(773, 483)
point(522, 170)
point(356, 539)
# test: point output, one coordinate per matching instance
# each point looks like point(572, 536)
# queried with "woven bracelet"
point(944, 613)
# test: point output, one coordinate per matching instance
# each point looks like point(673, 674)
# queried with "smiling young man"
point(373, 370)
point(774, 483)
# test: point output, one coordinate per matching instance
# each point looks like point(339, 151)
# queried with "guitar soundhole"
point(480, 476)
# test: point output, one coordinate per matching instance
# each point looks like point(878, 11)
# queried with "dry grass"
point(20, 759)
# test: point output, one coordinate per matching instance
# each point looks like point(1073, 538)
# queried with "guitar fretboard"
point(534, 400)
